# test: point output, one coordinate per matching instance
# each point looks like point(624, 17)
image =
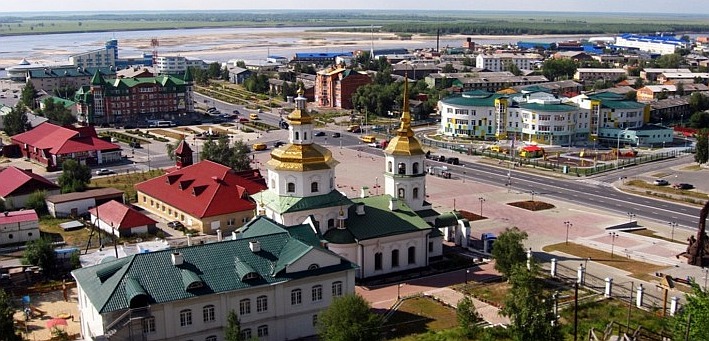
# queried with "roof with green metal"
point(377, 221)
point(616, 101)
point(65, 102)
point(163, 80)
point(286, 204)
point(214, 265)
point(560, 107)
point(476, 98)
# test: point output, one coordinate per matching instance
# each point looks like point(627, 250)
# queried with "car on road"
point(175, 225)
point(134, 144)
point(259, 146)
point(660, 182)
point(336, 135)
point(683, 186)
point(235, 112)
point(104, 171)
point(320, 133)
point(243, 120)
point(278, 144)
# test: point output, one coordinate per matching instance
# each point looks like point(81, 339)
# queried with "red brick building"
point(334, 87)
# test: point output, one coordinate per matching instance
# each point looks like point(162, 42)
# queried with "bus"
point(368, 138)
point(165, 124)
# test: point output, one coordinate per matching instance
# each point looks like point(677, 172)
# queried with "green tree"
point(75, 177)
point(57, 113)
point(448, 68)
point(28, 94)
point(631, 95)
point(512, 67)
point(698, 102)
point(508, 250)
point(224, 75)
point(679, 89)
point(349, 318)
point(232, 330)
point(75, 260)
point(16, 120)
point(214, 70)
point(241, 64)
point(36, 202)
point(235, 156)
point(669, 61)
point(529, 308)
point(699, 120)
point(702, 154)
point(7, 323)
point(558, 69)
point(40, 252)
point(696, 313)
point(468, 317)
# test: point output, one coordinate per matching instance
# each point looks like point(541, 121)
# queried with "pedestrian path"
point(487, 312)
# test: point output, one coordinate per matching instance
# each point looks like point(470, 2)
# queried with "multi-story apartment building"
point(594, 74)
point(132, 100)
point(50, 79)
point(334, 87)
point(176, 65)
point(652, 44)
point(105, 57)
point(652, 93)
point(499, 61)
point(276, 281)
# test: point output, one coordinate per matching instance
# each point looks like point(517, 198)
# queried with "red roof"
point(183, 148)
point(122, 217)
point(206, 189)
point(15, 181)
point(18, 217)
point(63, 140)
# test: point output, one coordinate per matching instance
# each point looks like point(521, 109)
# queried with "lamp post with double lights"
point(482, 200)
point(672, 225)
point(533, 193)
point(613, 237)
point(631, 215)
point(568, 225)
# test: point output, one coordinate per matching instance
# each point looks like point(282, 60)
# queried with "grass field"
point(126, 182)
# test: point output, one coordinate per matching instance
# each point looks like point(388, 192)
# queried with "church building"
point(382, 234)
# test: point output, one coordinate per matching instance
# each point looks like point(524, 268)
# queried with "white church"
point(382, 234)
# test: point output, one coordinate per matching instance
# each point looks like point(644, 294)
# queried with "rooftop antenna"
point(371, 42)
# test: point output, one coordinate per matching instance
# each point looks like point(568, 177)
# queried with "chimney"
point(255, 246)
point(177, 259)
point(360, 209)
point(219, 235)
point(393, 204)
point(189, 239)
point(234, 235)
point(363, 192)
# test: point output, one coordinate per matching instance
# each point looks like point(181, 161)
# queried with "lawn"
point(417, 316)
point(618, 261)
point(126, 182)
point(50, 227)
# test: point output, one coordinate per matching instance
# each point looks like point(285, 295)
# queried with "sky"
point(631, 6)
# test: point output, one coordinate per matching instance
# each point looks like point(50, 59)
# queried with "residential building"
point(651, 74)
point(205, 196)
point(176, 65)
point(16, 186)
point(653, 44)
point(276, 279)
point(78, 203)
point(334, 87)
point(565, 88)
point(50, 144)
point(499, 61)
point(100, 58)
point(18, 227)
point(594, 74)
point(61, 78)
point(655, 92)
point(683, 77)
point(415, 71)
point(671, 110)
point(576, 56)
point(238, 75)
point(135, 100)
point(382, 234)
point(121, 220)
point(323, 58)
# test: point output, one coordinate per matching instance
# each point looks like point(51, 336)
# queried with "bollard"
point(609, 287)
point(553, 267)
point(639, 299)
point(580, 275)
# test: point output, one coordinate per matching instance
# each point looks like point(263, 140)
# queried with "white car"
point(104, 171)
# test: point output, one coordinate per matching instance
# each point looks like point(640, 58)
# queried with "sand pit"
point(48, 306)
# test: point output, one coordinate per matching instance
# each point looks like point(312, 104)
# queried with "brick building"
point(334, 87)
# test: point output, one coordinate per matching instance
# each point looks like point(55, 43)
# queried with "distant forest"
point(421, 22)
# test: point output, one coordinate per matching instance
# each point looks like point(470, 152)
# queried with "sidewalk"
point(489, 313)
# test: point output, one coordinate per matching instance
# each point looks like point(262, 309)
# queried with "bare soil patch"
point(532, 205)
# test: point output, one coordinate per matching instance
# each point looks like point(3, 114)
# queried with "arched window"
point(402, 168)
point(305, 135)
point(416, 193)
point(402, 193)
point(389, 166)
point(332, 183)
point(297, 136)
point(261, 303)
point(336, 289)
point(412, 255)
point(378, 261)
point(245, 307)
point(290, 187)
point(296, 297)
point(314, 187)
point(415, 168)
point(185, 317)
point(316, 293)
point(394, 258)
point(208, 313)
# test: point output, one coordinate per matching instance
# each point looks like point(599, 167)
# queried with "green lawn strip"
point(417, 316)
point(126, 182)
point(618, 261)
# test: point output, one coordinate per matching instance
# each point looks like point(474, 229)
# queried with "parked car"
point(243, 120)
point(320, 133)
point(259, 146)
point(683, 186)
point(453, 160)
point(134, 144)
point(278, 144)
point(104, 171)
point(336, 135)
point(660, 182)
point(175, 225)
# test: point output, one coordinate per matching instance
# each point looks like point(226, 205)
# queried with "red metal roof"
point(206, 189)
point(18, 217)
point(122, 217)
point(17, 181)
point(62, 140)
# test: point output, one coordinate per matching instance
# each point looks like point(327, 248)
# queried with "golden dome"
point(404, 143)
point(296, 157)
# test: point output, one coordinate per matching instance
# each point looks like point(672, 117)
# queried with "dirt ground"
point(48, 306)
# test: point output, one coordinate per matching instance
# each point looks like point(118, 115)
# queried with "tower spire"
point(405, 128)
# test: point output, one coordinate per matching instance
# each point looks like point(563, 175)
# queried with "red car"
point(243, 120)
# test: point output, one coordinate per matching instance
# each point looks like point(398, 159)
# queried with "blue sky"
point(633, 6)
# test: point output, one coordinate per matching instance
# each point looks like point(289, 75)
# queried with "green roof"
point(616, 101)
point(287, 204)
point(65, 102)
point(378, 221)
point(207, 269)
point(477, 98)
point(447, 219)
point(163, 80)
point(97, 79)
point(549, 107)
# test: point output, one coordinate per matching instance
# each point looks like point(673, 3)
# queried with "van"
point(368, 138)
point(353, 128)
point(253, 116)
point(259, 146)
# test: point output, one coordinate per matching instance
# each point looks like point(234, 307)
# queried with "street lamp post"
point(673, 225)
point(568, 225)
point(467, 272)
point(398, 291)
point(631, 215)
point(533, 193)
point(613, 237)
point(482, 200)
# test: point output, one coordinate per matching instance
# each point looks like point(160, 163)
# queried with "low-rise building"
point(594, 74)
point(121, 220)
point(78, 203)
point(60, 78)
point(16, 186)
point(18, 227)
point(651, 74)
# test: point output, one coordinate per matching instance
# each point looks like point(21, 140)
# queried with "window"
point(315, 320)
point(211, 338)
point(402, 168)
point(290, 187)
point(412, 254)
point(378, 261)
point(245, 306)
point(330, 223)
point(430, 246)
point(389, 165)
point(261, 304)
point(246, 334)
point(262, 331)
point(296, 297)
point(149, 325)
point(336, 289)
point(185, 317)
point(394, 258)
point(208, 313)
point(416, 193)
point(314, 187)
point(297, 136)
point(415, 168)
point(317, 293)
point(402, 193)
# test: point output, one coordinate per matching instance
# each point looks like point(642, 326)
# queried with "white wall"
point(64, 209)
point(19, 232)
